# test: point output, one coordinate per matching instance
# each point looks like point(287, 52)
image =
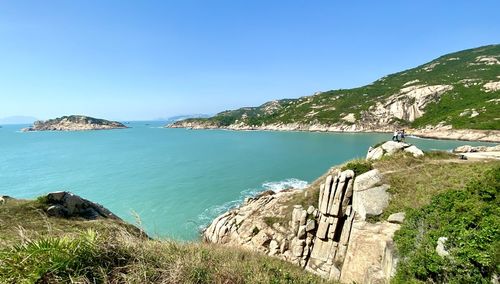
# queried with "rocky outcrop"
point(408, 104)
point(74, 123)
point(68, 205)
point(472, 149)
point(390, 148)
point(447, 133)
point(479, 152)
point(332, 239)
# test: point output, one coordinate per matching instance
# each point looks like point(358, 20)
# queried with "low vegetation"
point(470, 220)
point(40, 249)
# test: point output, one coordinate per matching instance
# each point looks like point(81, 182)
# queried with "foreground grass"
point(95, 258)
point(40, 249)
point(22, 220)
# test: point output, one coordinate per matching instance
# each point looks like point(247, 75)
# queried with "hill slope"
point(460, 90)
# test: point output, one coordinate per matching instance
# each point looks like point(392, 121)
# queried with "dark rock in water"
point(265, 193)
point(67, 204)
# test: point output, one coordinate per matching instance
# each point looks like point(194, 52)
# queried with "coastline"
point(490, 136)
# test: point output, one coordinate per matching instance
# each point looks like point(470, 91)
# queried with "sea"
point(173, 182)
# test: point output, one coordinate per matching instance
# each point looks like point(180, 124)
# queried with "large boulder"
point(416, 152)
point(67, 204)
point(390, 148)
point(370, 196)
point(370, 255)
point(367, 180)
point(371, 202)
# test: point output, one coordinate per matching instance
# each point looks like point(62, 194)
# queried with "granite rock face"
point(331, 239)
point(390, 148)
point(74, 123)
point(66, 204)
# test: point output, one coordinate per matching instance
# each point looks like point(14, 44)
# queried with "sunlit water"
point(176, 180)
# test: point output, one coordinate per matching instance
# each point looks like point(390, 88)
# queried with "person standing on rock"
point(395, 135)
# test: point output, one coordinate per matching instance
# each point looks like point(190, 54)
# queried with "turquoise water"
point(176, 180)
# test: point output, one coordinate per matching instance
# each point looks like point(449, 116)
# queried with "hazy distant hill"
point(460, 90)
point(18, 119)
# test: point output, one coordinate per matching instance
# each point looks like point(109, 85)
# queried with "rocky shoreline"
point(74, 123)
point(334, 238)
point(444, 133)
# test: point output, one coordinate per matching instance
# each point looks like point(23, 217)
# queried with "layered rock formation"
point(74, 123)
point(332, 239)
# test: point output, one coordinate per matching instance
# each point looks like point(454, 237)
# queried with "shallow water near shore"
point(176, 180)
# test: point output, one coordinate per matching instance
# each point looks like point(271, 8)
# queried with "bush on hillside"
point(470, 219)
point(358, 166)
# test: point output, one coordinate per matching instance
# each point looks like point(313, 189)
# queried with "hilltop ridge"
point(455, 96)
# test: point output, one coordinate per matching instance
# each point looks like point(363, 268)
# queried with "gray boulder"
point(371, 201)
point(67, 204)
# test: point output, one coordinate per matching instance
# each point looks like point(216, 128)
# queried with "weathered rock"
point(397, 218)
point(440, 248)
point(301, 234)
point(322, 227)
point(414, 151)
point(274, 247)
point(367, 180)
point(391, 147)
point(297, 247)
point(375, 153)
point(66, 204)
point(323, 207)
point(261, 239)
point(310, 209)
point(311, 225)
point(370, 247)
point(371, 201)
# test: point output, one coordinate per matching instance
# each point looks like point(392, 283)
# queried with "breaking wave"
point(210, 213)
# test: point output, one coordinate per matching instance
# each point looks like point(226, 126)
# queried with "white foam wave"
point(278, 186)
point(210, 213)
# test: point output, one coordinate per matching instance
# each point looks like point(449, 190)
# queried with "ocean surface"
point(175, 180)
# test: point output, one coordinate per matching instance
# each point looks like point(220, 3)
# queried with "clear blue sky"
point(146, 59)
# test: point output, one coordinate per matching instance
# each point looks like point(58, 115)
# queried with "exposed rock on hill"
point(67, 204)
point(429, 99)
point(333, 240)
point(391, 147)
point(74, 123)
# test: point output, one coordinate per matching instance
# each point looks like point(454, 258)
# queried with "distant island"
point(456, 96)
point(74, 123)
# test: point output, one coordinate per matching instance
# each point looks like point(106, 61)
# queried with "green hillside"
point(467, 105)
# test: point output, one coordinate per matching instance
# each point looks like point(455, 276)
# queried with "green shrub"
point(358, 166)
point(470, 219)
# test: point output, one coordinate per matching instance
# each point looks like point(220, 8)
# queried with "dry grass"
point(22, 220)
point(57, 250)
point(414, 181)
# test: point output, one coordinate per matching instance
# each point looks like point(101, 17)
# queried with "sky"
point(142, 60)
